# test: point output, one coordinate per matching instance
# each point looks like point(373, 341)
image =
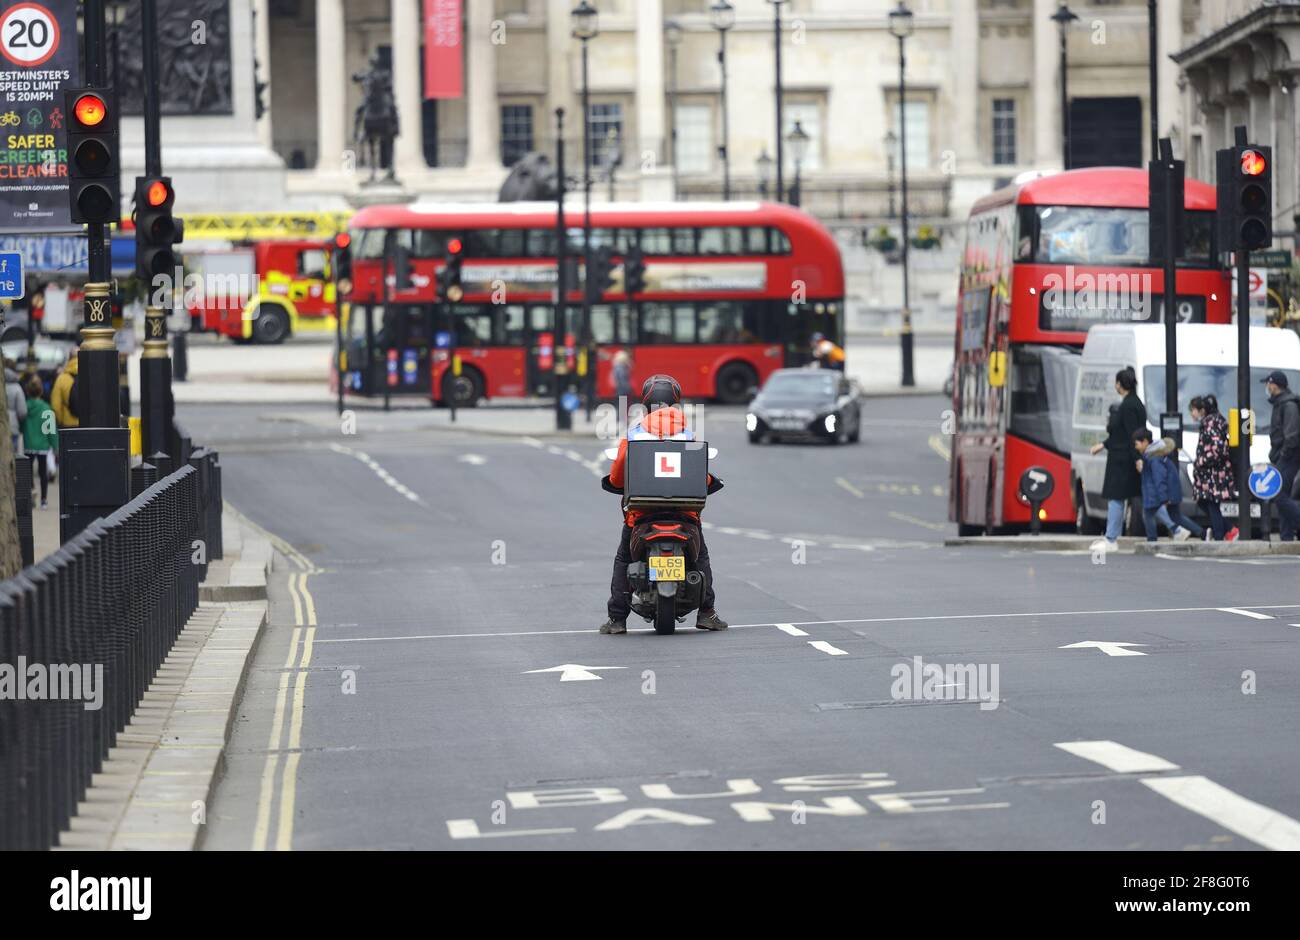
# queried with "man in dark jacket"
point(1284, 448)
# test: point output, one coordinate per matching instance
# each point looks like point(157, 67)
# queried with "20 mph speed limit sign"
point(38, 60)
point(29, 34)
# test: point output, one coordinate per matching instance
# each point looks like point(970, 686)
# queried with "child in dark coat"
point(1162, 490)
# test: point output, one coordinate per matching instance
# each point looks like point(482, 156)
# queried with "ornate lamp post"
point(764, 165)
point(723, 15)
point(586, 27)
point(901, 26)
point(1064, 18)
point(798, 141)
point(780, 94)
point(673, 37)
point(891, 146)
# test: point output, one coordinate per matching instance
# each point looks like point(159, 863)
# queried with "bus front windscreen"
point(1102, 236)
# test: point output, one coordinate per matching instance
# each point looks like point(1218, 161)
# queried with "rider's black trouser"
point(620, 591)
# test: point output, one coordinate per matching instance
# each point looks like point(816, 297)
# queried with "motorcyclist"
point(662, 397)
point(826, 354)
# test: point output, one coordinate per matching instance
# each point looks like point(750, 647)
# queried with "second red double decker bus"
point(733, 291)
point(1045, 261)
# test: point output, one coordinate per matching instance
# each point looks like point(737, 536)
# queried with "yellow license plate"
point(668, 568)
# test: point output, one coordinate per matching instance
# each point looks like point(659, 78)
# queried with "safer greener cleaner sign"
point(38, 60)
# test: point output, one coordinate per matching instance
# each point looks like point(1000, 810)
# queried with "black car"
point(805, 405)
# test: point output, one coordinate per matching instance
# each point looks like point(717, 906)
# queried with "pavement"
point(297, 372)
point(153, 790)
point(431, 677)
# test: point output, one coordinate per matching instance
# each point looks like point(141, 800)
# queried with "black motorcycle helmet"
point(661, 391)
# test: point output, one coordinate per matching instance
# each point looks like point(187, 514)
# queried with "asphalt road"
point(396, 701)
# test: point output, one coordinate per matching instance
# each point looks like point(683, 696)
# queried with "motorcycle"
point(666, 586)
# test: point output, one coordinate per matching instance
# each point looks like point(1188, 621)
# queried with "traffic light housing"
point(1167, 174)
point(94, 174)
point(600, 273)
point(634, 273)
point(342, 261)
point(1245, 198)
point(450, 289)
point(157, 230)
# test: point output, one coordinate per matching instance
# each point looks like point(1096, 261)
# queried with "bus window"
point(721, 322)
point(429, 243)
point(542, 319)
point(657, 241)
point(1042, 394)
point(482, 243)
point(625, 239)
point(756, 241)
point(513, 324)
point(684, 323)
point(656, 324)
point(510, 243)
point(576, 244)
point(625, 324)
point(370, 244)
point(778, 242)
point(602, 323)
point(473, 326)
point(684, 241)
point(722, 241)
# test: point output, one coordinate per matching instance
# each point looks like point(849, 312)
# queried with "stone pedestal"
point(381, 192)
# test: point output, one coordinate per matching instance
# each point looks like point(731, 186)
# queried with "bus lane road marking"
point(798, 799)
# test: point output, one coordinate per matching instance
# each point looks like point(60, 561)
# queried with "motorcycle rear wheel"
point(665, 615)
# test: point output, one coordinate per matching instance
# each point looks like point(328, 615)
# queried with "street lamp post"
point(764, 165)
point(586, 27)
point(673, 37)
point(891, 144)
point(901, 26)
point(1064, 17)
point(780, 117)
point(723, 15)
point(798, 141)
point(1153, 42)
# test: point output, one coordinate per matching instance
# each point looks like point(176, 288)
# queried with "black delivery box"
point(667, 475)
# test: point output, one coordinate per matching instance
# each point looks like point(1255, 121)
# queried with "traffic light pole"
point(1246, 427)
point(156, 409)
point(559, 373)
point(1174, 196)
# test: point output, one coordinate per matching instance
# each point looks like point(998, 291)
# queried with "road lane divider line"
point(1242, 612)
point(1117, 757)
point(932, 526)
point(1248, 819)
point(846, 485)
point(940, 447)
point(379, 471)
point(824, 647)
point(790, 629)
point(806, 623)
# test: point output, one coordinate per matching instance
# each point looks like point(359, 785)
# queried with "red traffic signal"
point(1253, 163)
point(455, 246)
point(158, 193)
point(342, 241)
point(90, 110)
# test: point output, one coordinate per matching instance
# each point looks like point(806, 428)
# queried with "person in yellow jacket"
point(826, 353)
point(61, 394)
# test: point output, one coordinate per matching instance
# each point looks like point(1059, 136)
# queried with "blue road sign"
point(1266, 482)
point(11, 275)
point(570, 401)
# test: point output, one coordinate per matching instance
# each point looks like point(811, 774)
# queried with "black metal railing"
point(114, 598)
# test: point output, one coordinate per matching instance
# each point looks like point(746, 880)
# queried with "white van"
point(1207, 364)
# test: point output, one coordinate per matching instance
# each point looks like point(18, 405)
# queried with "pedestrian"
point(1122, 482)
point(1213, 480)
point(62, 399)
point(622, 370)
point(17, 403)
point(40, 435)
point(1284, 448)
point(1162, 490)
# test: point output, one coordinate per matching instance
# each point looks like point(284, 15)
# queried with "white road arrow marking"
point(790, 629)
point(1253, 615)
point(1117, 757)
point(824, 647)
point(1110, 649)
point(474, 460)
point(571, 672)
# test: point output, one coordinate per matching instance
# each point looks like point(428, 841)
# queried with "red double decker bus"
point(1045, 261)
point(732, 292)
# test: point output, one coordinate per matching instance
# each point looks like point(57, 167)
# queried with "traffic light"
point(1245, 198)
point(342, 261)
point(634, 273)
point(1166, 174)
point(600, 273)
point(449, 286)
point(94, 183)
point(156, 229)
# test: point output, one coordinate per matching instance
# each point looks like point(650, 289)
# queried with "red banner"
point(444, 67)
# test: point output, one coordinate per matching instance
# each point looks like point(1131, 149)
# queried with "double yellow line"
point(295, 670)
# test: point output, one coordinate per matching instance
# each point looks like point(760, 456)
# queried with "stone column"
point(964, 44)
point(331, 87)
point(1047, 86)
point(651, 111)
point(1170, 23)
point(262, 45)
point(483, 106)
point(405, 23)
